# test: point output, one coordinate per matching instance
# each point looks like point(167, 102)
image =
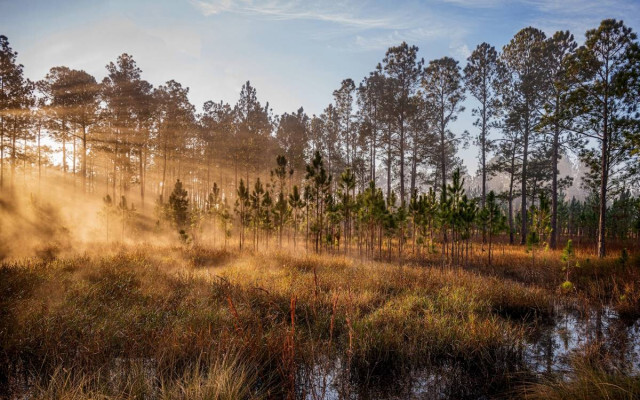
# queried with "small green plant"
point(540, 217)
point(533, 241)
point(566, 286)
point(179, 206)
point(569, 260)
point(492, 219)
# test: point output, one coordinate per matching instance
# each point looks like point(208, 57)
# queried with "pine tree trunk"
point(39, 157)
point(604, 176)
point(143, 178)
point(483, 161)
point(511, 227)
point(84, 158)
point(164, 174)
point(523, 205)
point(414, 170)
point(402, 194)
point(73, 163)
point(553, 242)
point(13, 152)
point(2, 152)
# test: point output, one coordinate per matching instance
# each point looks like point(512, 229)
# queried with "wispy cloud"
point(580, 15)
point(357, 25)
point(475, 3)
point(579, 7)
point(342, 13)
point(551, 15)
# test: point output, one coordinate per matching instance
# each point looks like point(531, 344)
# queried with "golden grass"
point(586, 382)
point(255, 318)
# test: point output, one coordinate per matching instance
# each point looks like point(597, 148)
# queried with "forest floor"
point(189, 322)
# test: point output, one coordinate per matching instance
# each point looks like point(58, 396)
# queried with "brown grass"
point(211, 321)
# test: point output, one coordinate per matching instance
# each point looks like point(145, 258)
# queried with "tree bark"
point(84, 158)
point(604, 177)
point(523, 206)
point(553, 242)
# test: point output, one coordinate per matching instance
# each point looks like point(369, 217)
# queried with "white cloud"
point(357, 25)
point(210, 8)
point(342, 13)
point(476, 3)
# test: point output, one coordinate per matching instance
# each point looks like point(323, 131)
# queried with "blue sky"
point(294, 52)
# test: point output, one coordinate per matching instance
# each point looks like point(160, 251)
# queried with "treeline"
point(319, 218)
point(535, 101)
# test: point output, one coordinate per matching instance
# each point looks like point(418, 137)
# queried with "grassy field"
point(199, 323)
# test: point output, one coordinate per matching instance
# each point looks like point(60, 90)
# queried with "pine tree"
point(525, 95)
point(483, 76)
point(540, 219)
point(344, 107)
point(444, 94)
point(346, 185)
point(179, 207)
point(390, 221)
point(492, 219)
point(600, 99)
point(213, 207)
point(468, 216)
point(225, 221)
point(242, 208)
point(296, 203)
point(257, 198)
point(558, 118)
point(15, 97)
point(293, 138)
point(569, 258)
point(125, 121)
point(452, 212)
point(320, 183)
point(267, 217)
point(402, 67)
point(507, 162)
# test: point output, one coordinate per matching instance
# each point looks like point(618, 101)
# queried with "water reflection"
point(444, 382)
point(548, 350)
point(550, 347)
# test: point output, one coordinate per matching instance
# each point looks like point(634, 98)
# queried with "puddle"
point(550, 348)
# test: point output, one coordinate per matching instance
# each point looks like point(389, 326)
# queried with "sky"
point(294, 52)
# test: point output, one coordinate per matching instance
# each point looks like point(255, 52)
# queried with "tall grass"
point(168, 322)
point(224, 378)
point(587, 381)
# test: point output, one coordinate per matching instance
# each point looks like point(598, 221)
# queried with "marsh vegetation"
point(195, 322)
